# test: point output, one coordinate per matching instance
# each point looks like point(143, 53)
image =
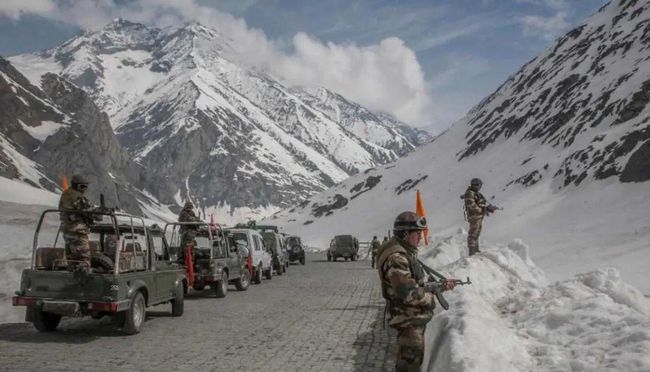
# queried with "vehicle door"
point(234, 261)
point(164, 271)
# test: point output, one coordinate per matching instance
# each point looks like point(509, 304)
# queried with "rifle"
point(435, 286)
point(491, 208)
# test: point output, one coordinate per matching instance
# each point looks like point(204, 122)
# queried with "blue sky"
point(465, 48)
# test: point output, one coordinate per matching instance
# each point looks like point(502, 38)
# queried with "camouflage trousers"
point(410, 352)
point(187, 237)
point(77, 247)
point(475, 226)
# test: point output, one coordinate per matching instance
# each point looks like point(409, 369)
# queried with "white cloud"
point(547, 28)
point(384, 76)
point(16, 8)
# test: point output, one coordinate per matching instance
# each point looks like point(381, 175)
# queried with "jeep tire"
point(243, 281)
point(178, 303)
point(221, 286)
point(45, 321)
point(135, 315)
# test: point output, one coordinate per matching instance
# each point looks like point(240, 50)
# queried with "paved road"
point(324, 316)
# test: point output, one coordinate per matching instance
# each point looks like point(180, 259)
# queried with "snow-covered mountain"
point(57, 130)
point(229, 137)
point(563, 145)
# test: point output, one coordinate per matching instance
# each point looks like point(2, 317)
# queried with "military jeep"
point(126, 275)
point(211, 259)
point(346, 246)
point(295, 249)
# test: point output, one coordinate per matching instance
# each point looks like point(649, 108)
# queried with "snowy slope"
point(184, 108)
point(562, 145)
point(511, 319)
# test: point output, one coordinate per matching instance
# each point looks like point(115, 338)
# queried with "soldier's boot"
point(408, 360)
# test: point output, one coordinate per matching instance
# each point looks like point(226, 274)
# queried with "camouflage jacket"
point(187, 215)
point(73, 200)
point(402, 278)
point(475, 203)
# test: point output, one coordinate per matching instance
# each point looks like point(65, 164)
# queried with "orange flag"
point(419, 210)
point(64, 183)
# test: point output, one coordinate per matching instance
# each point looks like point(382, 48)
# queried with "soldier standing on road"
point(75, 224)
point(410, 307)
point(374, 248)
point(475, 208)
point(187, 232)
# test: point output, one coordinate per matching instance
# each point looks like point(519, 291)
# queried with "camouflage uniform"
point(475, 204)
point(188, 233)
point(374, 248)
point(75, 226)
point(410, 307)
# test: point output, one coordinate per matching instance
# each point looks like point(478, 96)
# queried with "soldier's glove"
point(490, 209)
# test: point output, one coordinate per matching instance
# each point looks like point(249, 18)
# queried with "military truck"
point(212, 259)
point(126, 275)
point(346, 246)
point(295, 249)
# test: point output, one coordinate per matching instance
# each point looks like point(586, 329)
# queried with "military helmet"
point(374, 237)
point(188, 204)
point(476, 182)
point(409, 221)
point(78, 179)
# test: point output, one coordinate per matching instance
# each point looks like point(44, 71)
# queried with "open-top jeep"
point(54, 286)
point(211, 258)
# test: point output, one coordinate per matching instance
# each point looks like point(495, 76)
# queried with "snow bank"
point(510, 319)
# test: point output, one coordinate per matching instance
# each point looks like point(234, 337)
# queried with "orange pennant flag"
point(64, 183)
point(419, 210)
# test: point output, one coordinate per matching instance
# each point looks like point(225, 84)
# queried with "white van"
point(259, 260)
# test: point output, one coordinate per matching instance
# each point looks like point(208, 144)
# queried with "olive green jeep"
point(128, 273)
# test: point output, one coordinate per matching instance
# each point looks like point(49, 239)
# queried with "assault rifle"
point(436, 286)
point(491, 208)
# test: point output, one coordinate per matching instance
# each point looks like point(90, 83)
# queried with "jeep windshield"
point(240, 239)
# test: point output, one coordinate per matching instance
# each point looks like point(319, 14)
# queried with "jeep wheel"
point(353, 258)
point(135, 314)
point(302, 260)
point(243, 281)
point(221, 287)
point(284, 268)
point(258, 275)
point(45, 321)
point(268, 274)
point(100, 260)
point(178, 303)
point(329, 258)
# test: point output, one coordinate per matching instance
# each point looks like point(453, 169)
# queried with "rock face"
point(58, 130)
point(232, 139)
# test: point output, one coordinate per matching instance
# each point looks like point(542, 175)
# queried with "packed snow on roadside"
point(510, 319)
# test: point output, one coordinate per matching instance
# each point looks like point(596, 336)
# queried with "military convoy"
point(134, 266)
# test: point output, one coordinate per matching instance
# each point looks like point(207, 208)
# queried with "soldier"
point(187, 232)
point(374, 248)
point(75, 224)
point(475, 209)
point(410, 307)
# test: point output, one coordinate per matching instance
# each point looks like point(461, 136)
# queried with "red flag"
point(64, 183)
point(419, 210)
